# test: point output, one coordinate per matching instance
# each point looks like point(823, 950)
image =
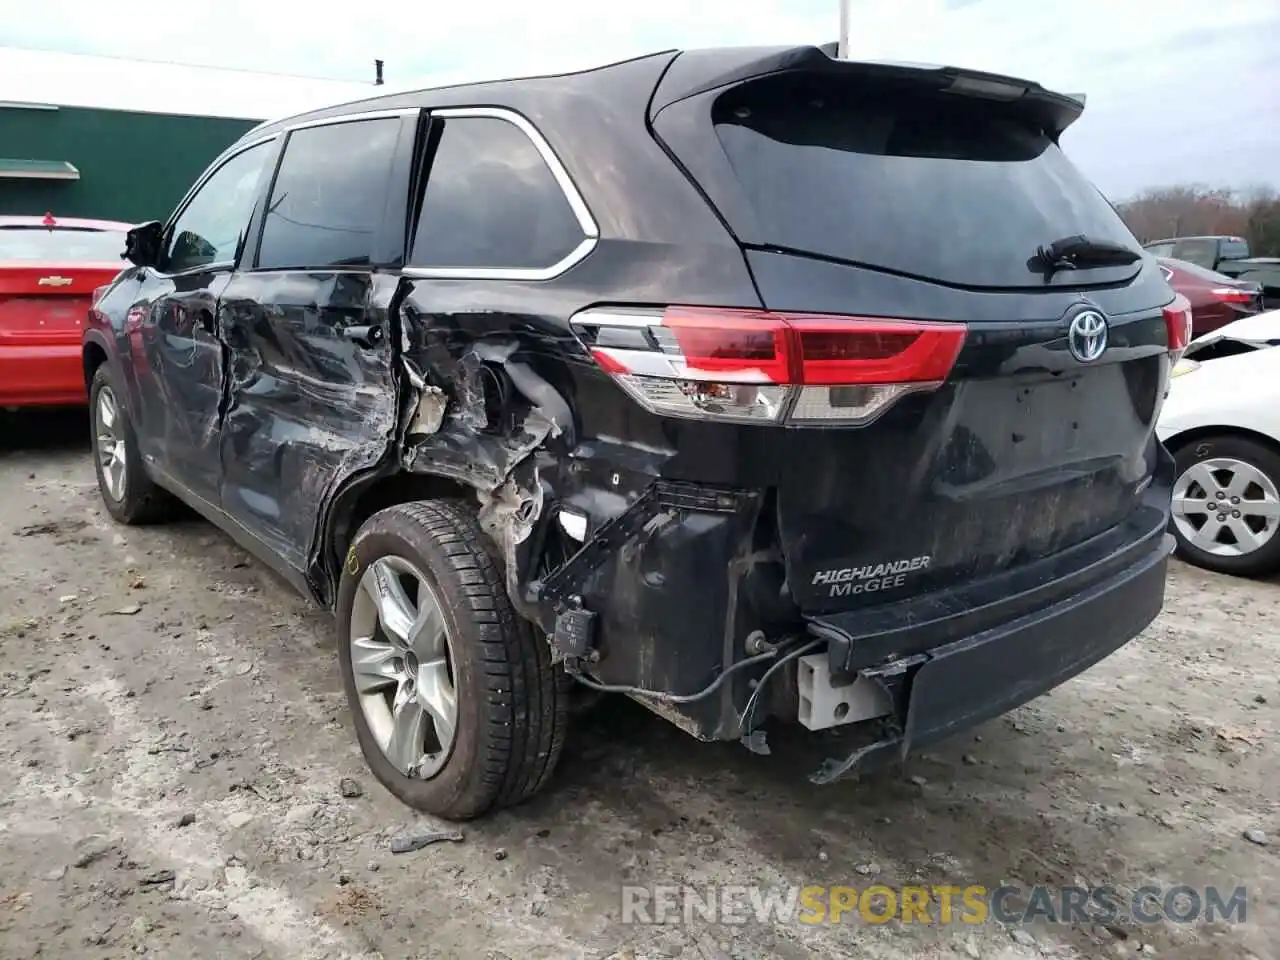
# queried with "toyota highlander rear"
point(937, 492)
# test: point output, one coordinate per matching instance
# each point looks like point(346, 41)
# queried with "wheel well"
point(1176, 443)
point(92, 358)
point(400, 487)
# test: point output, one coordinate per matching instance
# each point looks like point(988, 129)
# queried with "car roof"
point(72, 223)
point(697, 71)
point(423, 96)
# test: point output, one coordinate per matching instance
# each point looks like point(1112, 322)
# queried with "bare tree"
point(1188, 210)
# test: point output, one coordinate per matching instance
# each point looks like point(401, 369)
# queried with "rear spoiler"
point(695, 72)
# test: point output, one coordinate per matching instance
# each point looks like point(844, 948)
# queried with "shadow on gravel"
point(44, 430)
point(959, 813)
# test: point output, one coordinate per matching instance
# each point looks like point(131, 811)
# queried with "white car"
point(1221, 422)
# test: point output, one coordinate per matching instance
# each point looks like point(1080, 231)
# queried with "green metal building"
point(106, 164)
point(120, 139)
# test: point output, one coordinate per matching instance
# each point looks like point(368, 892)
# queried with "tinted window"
point(1203, 252)
point(61, 244)
point(327, 202)
point(942, 186)
point(211, 228)
point(492, 202)
point(1234, 250)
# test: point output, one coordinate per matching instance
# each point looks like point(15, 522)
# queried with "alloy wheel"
point(402, 664)
point(110, 443)
point(1226, 507)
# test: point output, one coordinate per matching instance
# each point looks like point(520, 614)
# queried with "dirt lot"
point(175, 743)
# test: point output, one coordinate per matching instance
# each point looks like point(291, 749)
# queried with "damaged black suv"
point(762, 386)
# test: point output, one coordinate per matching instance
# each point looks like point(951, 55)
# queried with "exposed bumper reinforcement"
point(962, 683)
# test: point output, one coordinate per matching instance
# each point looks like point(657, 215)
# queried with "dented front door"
point(178, 365)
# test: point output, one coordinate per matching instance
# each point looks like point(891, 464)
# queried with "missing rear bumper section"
point(966, 672)
point(962, 683)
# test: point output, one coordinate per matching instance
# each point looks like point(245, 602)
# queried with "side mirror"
point(142, 244)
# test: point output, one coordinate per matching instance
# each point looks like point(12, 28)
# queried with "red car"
point(1216, 300)
point(49, 269)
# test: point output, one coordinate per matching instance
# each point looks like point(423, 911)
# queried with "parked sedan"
point(1216, 299)
point(49, 269)
point(1221, 422)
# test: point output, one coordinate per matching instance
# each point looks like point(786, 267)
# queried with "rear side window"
point(327, 201)
point(1235, 250)
point(61, 244)
point(1203, 252)
point(940, 186)
point(492, 203)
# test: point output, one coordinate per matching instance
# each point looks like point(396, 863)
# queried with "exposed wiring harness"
point(575, 671)
point(782, 662)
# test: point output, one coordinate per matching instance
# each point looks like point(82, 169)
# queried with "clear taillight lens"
point(757, 365)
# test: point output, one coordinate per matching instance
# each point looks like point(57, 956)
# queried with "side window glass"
point(491, 202)
point(1200, 252)
point(326, 205)
point(211, 227)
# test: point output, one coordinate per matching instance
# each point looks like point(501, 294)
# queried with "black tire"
point(511, 700)
point(1266, 559)
point(142, 501)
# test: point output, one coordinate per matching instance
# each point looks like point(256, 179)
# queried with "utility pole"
point(842, 50)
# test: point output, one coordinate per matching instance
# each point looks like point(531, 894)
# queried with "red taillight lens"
point(844, 351)
point(757, 364)
point(1233, 295)
point(735, 345)
point(1177, 321)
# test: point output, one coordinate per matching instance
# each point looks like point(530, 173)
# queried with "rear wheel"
point(1226, 505)
point(456, 704)
point(130, 496)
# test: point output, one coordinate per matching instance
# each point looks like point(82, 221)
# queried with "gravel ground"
point(175, 747)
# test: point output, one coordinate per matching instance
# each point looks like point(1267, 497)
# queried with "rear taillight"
point(1234, 295)
point(759, 365)
point(1177, 321)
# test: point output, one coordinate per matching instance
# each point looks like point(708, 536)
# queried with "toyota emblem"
point(1087, 337)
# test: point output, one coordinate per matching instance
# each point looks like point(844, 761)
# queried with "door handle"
point(367, 335)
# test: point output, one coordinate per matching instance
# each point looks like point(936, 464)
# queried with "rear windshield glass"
point(61, 244)
point(1199, 272)
point(934, 185)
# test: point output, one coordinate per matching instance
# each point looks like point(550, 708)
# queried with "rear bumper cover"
point(46, 374)
point(955, 685)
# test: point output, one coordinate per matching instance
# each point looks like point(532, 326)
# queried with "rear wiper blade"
point(1071, 253)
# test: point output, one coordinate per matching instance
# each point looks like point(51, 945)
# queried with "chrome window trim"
point(590, 229)
point(353, 118)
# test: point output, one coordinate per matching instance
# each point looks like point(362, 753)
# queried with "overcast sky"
point(1178, 90)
